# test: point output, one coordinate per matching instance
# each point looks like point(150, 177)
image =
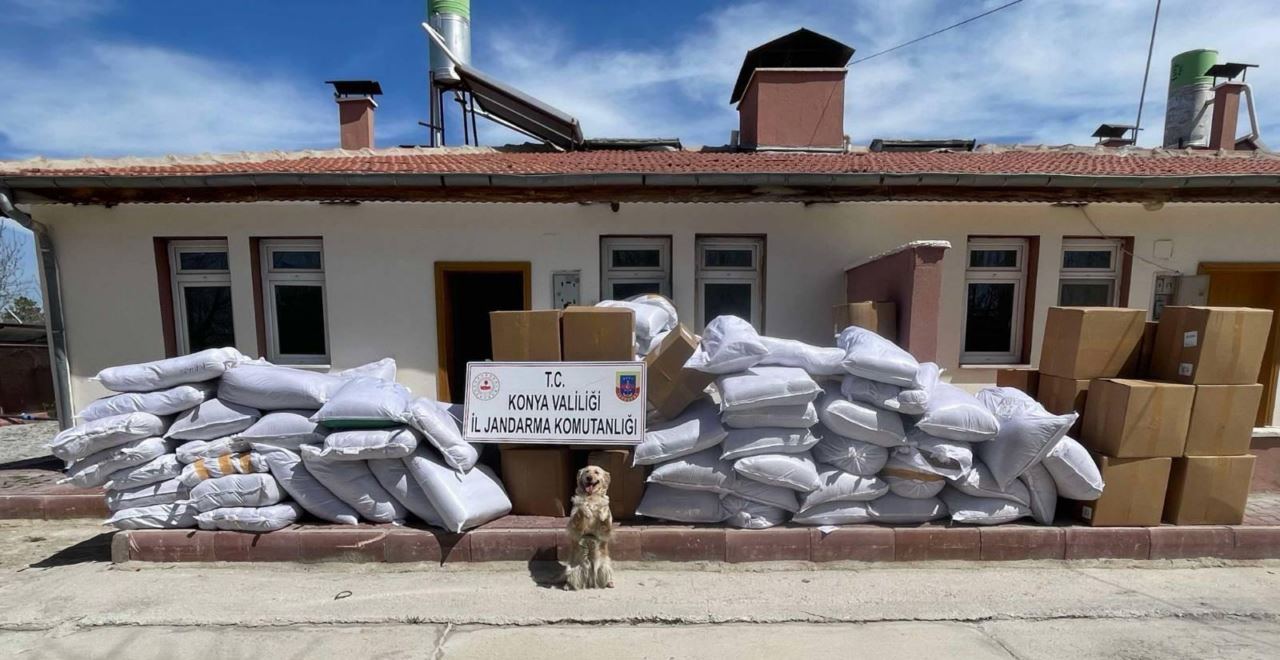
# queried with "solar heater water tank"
point(1189, 111)
point(452, 19)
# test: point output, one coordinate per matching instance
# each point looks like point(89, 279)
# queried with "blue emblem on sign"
point(628, 386)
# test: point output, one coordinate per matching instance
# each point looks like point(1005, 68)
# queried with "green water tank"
point(1189, 112)
point(458, 7)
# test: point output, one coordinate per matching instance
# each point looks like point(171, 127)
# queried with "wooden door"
point(466, 291)
point(1252, 285)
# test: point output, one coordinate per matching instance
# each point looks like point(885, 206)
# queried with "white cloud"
point(1040, 72)
point(115, 99)
point(48, 13)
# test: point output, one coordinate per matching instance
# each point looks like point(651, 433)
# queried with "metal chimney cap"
point(355, 87)
point(1228, 70)
point(1112, 130)
point(803, 48)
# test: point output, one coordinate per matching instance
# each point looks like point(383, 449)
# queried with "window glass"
point(989, 328)
point(626, 289)
point(202, 260)
point(993, 258)
point(208, 317)
point(727, 258)
point(1085, 293)
point(719, 299)
point(627, 259)
point(300, 319)
point(295, 260)
point(1092, 259)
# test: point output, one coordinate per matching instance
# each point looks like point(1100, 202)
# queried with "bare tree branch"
point(14, 283)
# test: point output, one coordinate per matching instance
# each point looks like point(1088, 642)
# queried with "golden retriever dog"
point(590, 528)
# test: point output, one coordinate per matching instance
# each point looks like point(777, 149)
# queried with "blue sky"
point(151, 77)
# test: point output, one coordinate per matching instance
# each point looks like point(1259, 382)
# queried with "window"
point(201, 277)
point(995, 299)
point(728, 278)
point(294, 301)
point(1090, 275)
point(632, 265)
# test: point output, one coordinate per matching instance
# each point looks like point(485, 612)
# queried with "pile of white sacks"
point(216, 440)
point(855, 433)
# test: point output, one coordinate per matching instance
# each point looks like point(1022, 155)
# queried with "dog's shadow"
point(547, 572)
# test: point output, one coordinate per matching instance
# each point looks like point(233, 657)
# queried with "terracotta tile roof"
point(986, 160)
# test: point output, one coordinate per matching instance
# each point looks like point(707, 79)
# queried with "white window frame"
point(730, 275)
point(292, 276)
point(1018, 276)
point(1091, 275)
point(183, 279)
point(610, 275)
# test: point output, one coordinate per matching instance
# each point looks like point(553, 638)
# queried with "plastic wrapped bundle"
point(463, 499)
point(897, 510)
point(1044, 493)
point(765, 387)
point(955, 414)
point(163, 468)
point(212, 468)
point(369, 444)
point(177, 515)
point(162, 492)
point(701, 471)
point(1074, 473)
point(190, 452)
point(269, 387)
point(875, 358)
point(96, 469)
point(745, 514)
point(840, 486)
point(287, 467)
point(1024, 440)
point(363, 403)
point(252, 490)
point(740, 443)
point(729, 345)
point(979, 482)
point(860, 421)
point(285, 428)
point(394, 475)
point(443, 430)
point(163, 374)
point(250, 519)
point(835, 513)
point(775, 496)
point(161, 403)
point(80, 441)
point(815, 360)
point(212, 419)
point(698, 428)
point(800, 416)
point(982, 511)
point(354, 484)
point(795, 471)
point(677, 505)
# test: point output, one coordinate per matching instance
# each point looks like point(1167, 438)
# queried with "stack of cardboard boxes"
point(1166, 409)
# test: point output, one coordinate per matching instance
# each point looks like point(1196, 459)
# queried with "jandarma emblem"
point(628, 386)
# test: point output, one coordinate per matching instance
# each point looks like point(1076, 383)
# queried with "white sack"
point(835, 513)
point(285, 428)
point(394, 475)
point(177, 515)
point(701, 471)
point(788, 417)
point(162, 374)
point(948, 458)
point(749, 442)
point(354, 484)
point(650, 320)
point(236, 490)
point(1044, 493)
point(729, 345)
point(369, 444)
point(840, 486)
point(463, 500)
point(981, 511)
point(190, 452)
point(1074, 472)
point(1023, 441)
point(80, 441)
point(696, 429)
point(250, 519)
point(212, 419)
point(384, 369)
point(286, 466)
point(161, 492)
point(897, 510)
point(794, 471)
point(910, 475)
point(927, 377)
point(1007, 402)
point(909, 400)
point(745, 514)
point(853, 456)
point(686, 506)
point(765, 387)
point(212, 468)
point(159, 469)
point(161, 403)
point(644, 348)
point(270, 387)
point(774, 496)
point(860, 421)
point(871, 356)
point(661, 302)
point(955, 414)
point(365, 403)
point(437, 422)
point(979, 482)
point(96, 469)
point(816, 360)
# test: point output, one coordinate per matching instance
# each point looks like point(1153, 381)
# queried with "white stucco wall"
point(380, 259)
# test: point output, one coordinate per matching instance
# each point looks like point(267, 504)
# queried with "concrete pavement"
point(59, 603)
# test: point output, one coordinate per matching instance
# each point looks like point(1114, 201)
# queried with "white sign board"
point(599, 403)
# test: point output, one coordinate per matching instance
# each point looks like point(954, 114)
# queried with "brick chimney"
point(1226, 113)
point(355, 111)
point(790, 93)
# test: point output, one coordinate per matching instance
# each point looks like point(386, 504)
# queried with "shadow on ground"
point(96, 549)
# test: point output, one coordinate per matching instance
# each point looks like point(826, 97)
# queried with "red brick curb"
point(385, 543)
point(53, 506)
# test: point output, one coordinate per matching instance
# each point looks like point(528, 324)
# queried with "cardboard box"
point(1137, 418)
point(1139, 363)
point(538, 479)
point(1063, 395)
point(672, 388)
point(626, 483)
point(1222, 419)
point(525, 336)
point(878, 317)
point(1027, 380)
point(1211, 345)
point(1207, 490)
point(598, 334)
point(1134, 494)
point(1090, 342)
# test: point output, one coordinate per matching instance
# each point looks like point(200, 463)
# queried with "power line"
point(936, 32)
point(1142, 99)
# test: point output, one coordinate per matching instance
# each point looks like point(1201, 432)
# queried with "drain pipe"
point(51, 290)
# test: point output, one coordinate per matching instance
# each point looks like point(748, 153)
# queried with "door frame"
point(1270, 377)
point(444, 307)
